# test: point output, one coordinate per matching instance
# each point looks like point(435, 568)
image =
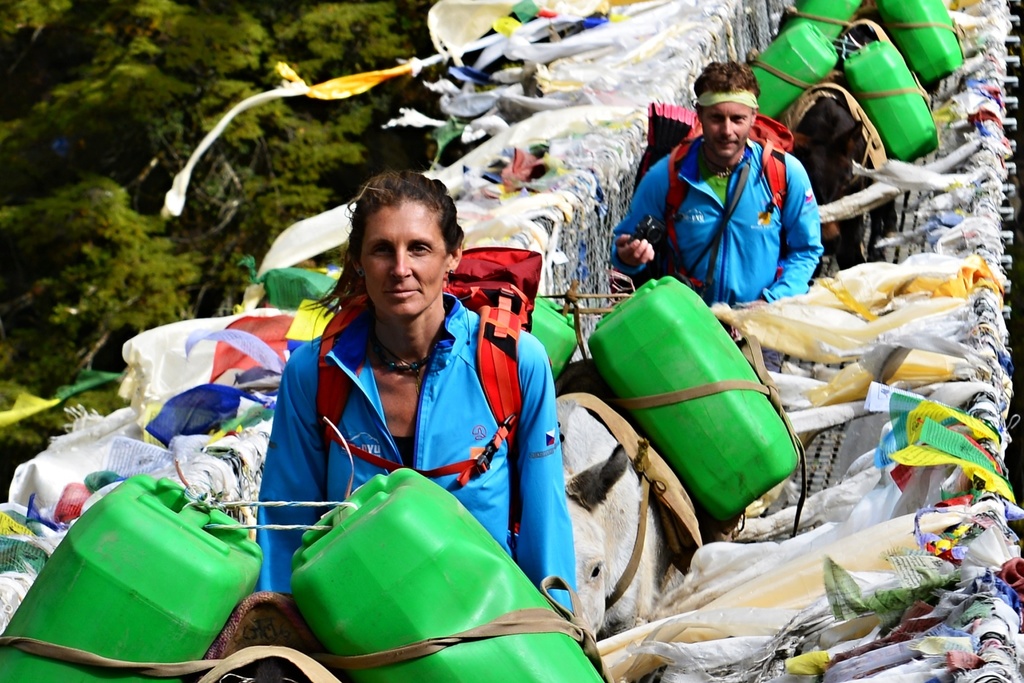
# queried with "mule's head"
point(589, 491)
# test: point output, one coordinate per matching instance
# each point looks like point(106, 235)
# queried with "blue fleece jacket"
point(453, 418)
point(763, 255)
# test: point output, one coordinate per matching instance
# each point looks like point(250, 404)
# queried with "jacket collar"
point(350, 348)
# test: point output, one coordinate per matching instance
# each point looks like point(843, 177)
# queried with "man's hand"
point(634, 252)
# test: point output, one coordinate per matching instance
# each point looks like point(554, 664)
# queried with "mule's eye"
point(596, 571)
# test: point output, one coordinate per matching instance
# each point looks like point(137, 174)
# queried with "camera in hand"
point(649, 228)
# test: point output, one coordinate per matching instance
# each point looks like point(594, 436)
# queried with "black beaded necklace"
point(724, 172)
point(396, 365)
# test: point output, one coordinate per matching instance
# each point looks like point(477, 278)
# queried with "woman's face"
point(405, 260)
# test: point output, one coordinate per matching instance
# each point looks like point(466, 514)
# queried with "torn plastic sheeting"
point(158, 366)
point(308, 238)
point(456, 24)
point(540, 128)
point(823, 334)
point(246, 342)
point(792, 585)
point(70, 457)
point(831, 504)
point(879, 193)
point(198, 410)
point(876, 286)
point(918, 368)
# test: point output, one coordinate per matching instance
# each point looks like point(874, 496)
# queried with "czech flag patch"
point(549, 438)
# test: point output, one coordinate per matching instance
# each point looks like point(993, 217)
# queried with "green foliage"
point(104, 101)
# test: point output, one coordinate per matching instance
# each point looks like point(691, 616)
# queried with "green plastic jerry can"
point(555, 331)
point(138, 577)
point(729, 448)
point(404, 561)
point(797, 59)
point(881, 81)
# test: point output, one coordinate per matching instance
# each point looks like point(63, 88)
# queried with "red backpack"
point(500, 284)
point(677, 128)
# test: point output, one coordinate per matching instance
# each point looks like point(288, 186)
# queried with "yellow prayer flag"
point(346, 86)
point(310, 320)
point(26, 405)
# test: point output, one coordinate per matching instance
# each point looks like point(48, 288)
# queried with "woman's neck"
point(410, 340)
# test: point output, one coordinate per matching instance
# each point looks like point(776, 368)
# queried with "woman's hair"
point(387, 190)
point(726, 77)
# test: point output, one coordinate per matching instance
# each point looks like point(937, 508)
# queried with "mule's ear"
point(590, 487)
point(801, 140)
point(850, 138)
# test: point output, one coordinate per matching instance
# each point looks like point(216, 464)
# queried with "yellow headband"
point(710, 99)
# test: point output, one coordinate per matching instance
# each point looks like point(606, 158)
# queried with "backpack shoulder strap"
point(773, 166)
point(498, 362)
point(332, 385)
point(674, 199)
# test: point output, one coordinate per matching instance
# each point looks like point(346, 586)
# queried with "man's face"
point(726, 127)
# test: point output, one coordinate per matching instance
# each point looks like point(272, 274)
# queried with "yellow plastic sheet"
point(808, 664)
point(973, 273)
point(917, 369)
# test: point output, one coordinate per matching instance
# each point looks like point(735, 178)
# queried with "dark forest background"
point(102, 102)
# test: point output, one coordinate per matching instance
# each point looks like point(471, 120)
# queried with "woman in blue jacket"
point(415, 396)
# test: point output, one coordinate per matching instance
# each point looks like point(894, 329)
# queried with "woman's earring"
point(451, 274)
point(360, 272)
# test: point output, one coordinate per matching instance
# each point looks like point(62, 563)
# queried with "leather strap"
point(525, 621)
point(215, 668)
point(652, 467)
point(690, 394)
point(638, 547)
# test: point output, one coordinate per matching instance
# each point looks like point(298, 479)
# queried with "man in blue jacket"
point(762, 253)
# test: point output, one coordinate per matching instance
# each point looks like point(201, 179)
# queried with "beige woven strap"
point(215, 668)
point(647, 462)
point(690, 394)
point(72, 655)
point(878, 94)
point(310, 668)
point(575, 617)
point(520, 622)
point(781, 74)
point(874, 149)
point(874, 26)
point(922, 24)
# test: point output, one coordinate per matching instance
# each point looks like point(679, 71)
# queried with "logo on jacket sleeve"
point(549, 438)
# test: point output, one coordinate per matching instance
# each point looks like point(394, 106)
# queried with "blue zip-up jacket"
point(755, 245)
point(453, 418)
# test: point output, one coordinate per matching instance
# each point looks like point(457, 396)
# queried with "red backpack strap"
point(332, 384)
point(498, 349)
point(773, 166)
point(674, 199)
